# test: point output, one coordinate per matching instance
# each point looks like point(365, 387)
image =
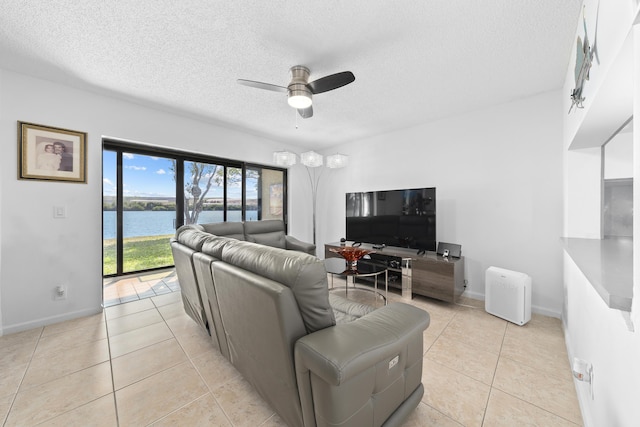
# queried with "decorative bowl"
point(351, 254)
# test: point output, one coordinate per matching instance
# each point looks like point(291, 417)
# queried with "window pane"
point(109, 201)
point(203, 193)
point(234, 194)
point(149, 211)
point(252, 195)
point(265, 194)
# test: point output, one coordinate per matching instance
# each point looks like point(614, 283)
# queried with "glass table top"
point(365, 267)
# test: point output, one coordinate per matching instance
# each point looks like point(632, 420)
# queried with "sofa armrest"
point(364, 372)
point(338, 353)
point(297, 245)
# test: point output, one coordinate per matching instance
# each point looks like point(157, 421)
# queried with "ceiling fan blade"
point(260, 85)
point(305, 113)
point(334, 81)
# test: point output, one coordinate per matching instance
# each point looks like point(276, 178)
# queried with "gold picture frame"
point(47, 153)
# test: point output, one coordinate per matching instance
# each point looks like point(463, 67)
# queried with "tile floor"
point(145, 362)
point(118, 290)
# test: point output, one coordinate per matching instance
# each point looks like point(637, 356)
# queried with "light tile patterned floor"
point(146, 363)
point(133, 287)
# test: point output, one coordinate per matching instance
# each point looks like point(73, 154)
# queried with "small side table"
point(339, 267)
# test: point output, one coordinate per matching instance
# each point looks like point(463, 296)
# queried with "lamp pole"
point(314, 179)
point(311, 160)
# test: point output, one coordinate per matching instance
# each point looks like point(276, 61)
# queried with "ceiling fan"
point(300, 90)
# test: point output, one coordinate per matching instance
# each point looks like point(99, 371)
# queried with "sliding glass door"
point(148, 193)
point(139, 215)
point(149, 212)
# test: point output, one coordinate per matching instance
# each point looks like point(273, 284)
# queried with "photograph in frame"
point(51, 154)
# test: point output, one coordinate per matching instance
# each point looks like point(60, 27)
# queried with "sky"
point(150, 176)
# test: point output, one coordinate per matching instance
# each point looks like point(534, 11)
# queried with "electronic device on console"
point(400, 218)
point(388, 260)
point(451, 249)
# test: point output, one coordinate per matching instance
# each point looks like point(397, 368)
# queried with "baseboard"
point(534, 308)
point(19, 327)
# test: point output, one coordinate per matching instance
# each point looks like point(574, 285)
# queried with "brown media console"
point(428, 274)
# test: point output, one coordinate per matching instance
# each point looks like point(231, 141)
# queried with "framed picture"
point(51, 154)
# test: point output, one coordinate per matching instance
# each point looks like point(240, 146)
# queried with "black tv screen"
point(403, 218)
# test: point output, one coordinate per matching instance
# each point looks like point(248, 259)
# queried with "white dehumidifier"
point(507, 295)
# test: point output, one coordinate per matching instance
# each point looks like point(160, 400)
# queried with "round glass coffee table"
point(339, 267)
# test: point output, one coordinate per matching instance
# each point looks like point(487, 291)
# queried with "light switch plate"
point(59, 212)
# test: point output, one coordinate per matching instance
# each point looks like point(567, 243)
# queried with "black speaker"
point(453, 249)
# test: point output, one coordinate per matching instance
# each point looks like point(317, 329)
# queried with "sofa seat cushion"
point(304, 274)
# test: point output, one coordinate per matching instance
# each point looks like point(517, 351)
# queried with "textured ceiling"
point(414, 61)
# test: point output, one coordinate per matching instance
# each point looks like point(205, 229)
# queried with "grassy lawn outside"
point(140, 253)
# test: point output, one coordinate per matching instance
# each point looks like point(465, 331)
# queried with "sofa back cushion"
point(262, 323)
point(214, 245)
point(191, 237)
point(267, 232)
point(234, 230)
point(304, 274)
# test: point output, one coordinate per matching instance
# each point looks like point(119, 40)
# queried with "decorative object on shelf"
point(584, 59)
point(51, 154)
point(352, 255)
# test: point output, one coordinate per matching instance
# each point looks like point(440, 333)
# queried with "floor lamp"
point(312, 161)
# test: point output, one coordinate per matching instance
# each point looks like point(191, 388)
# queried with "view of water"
point(156, 223)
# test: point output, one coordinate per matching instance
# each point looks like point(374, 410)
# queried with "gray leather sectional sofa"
point(315, 357)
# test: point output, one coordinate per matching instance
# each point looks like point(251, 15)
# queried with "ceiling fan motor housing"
point(299, 93)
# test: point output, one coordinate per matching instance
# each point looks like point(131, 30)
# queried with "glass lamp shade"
point(337, 161)
point(311, 159)
point(284, 158)
point(299, 95)
point(299, 101)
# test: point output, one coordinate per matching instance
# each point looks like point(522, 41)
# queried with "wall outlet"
point(60, 292)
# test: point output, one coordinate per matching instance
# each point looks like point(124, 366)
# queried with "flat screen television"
point(402, 218)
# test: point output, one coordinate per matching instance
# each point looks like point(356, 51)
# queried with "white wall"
point(2, 114)
point(498, 175)
point(600, 336)
point(594, 332)
point(39, 252)
point(618, 157)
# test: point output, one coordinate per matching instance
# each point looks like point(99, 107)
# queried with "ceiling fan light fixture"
point(311, 159)
point(299, 98)
point(284, 158)
point(337, 161)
